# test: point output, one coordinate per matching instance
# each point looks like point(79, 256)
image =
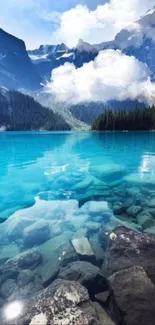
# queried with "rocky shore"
point(84, 261)
point(104, 279)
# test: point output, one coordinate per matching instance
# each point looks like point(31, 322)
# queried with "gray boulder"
point(15, 227)
point(36, 234)
point(129, 248)
point(135, 296)
point(87, 274)
point(63, 302)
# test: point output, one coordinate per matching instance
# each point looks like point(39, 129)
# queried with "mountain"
point(137, 39)
point(16, 68)
point(21, 112)
point(87, 112)
point(48, 57)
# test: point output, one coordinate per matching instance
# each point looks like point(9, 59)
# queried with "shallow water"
point(55, 186)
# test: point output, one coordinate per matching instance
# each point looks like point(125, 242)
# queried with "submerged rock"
point(134, 210)
point(108, 172)
point(30, 259)
point(55, 253)
point(83, 247)
point(8, 251)
point(135, 296)
point(87, 274)
point(36, 234)
point(145, 220)
point(129, 248)
point(63, 302)
point(104, 318)
point(15, 226)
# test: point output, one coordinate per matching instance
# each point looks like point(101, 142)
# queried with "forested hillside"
point(22, 112)
point(135, 119)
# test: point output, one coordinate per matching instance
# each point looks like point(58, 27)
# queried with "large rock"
point(97, 208)
point(36, 234)
point(15, 227)
point(145, 220)
point(104, 319)
point(83, 248)
point(63, 302)
point(30, 259)
point(55, 253)
point(108, 172)
point(135, 296)
point(8, 251)
point(129, 248)
point(87, 274)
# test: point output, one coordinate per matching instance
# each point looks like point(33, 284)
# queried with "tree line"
point(21, 112)
point(137, 119)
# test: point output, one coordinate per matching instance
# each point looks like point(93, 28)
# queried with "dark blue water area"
point(55, 187)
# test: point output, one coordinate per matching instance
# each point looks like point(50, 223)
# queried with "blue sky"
point(54, 21)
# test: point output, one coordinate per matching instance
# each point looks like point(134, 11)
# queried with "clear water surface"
point(57, 186)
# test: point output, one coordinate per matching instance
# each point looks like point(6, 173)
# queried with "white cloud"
point(101, 24)
point(111, 76)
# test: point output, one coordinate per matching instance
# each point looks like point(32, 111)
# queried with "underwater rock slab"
point(135, 296)
point(104, 319)
point(89, 275)
point(56, 252)
point(97, 208)
point(145, 220)
point(63, 302)
point(36, 234)
point(15, 226)
point(140, 178)
point(129, 248)
point(108, 172)
point(83, 247)
point(8, 251)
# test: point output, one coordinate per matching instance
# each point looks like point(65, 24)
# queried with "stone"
point(55, 253)
point(63, 302)
point(151, 203)
point(134, 210)
point(8, 251)
point(9, 270)
point(102, 297)
point(118, 208)
point(82, 232)
point(36, 234)
point(82, 247)
point(25, 277)
point(133, 191)
point(16, 225)
point(108, 172)
point(104, 319)
point(92, 225)
point(135, 296)
point(30, 259)
point(137, 179)
point(97, 249)
point(97, 208)
point(89, 275)
point(145, 220)
point(130, 248)
point(7, 288)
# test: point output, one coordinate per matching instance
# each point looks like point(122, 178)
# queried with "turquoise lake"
point(49, 166)
point(61, 193)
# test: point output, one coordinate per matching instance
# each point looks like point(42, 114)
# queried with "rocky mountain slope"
point(137, 40)
point(16, 68)
point(21, 112)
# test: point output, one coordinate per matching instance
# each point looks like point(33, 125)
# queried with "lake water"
point(55, 186)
